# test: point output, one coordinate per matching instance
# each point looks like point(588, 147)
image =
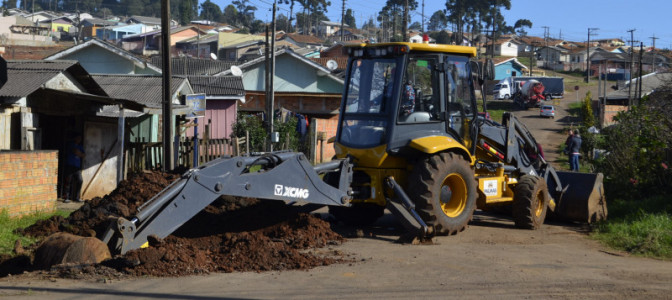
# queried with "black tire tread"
point(524, 202)
point(422, 182)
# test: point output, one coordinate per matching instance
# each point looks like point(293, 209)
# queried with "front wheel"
point(530, 202)
point(443, 188)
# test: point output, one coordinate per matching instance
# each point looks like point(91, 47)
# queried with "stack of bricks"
point(28, 181)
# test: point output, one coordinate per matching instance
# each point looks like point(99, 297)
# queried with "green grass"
point(496, 109)
point(641, 227)
point(8, 225)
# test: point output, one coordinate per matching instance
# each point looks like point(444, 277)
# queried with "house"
point(301, 86)
point(349, 34)
point(40, 16)
point(90, 27)
point(147, 91)
point(118, 32)
point(578, 57)
point(508, 66)
point(191, 66)
point(99, 57)
point(618, 100)
point(417, 38)
point(613, 42)
point(17, 30)
point(59, 24)
point(231, 46)
point(149, 21)
point(505, 47)
point(554, 58)
point(199, 46)
point(44, 102)
point(615, 66)
point(150, 43)
point(222, 94)
point(303, 41)
point(326, 29)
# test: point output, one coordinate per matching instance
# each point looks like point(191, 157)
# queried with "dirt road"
point(488, 260)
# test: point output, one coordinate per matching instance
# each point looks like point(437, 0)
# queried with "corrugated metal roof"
point(26, 76)
point(41, 65)
point(21, 83)
point(193, 66)
point(143, 89)
point(217, 85)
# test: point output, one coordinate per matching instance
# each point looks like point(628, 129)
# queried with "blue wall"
point(507, 69)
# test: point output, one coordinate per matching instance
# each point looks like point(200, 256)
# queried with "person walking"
point(73, 168)
point(574, 150)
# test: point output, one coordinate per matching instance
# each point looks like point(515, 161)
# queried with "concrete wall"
point(28, 181)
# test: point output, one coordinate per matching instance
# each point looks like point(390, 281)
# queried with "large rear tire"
point(443, 188)
point(530, 202)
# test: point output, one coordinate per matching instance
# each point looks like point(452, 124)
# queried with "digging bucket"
point(64, 248)
point(583, 197)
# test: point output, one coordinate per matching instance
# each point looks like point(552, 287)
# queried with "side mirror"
point(476, 71)
point(488, 70)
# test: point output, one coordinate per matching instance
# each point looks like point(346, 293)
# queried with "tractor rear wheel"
point(530, 202)
point(443, 188)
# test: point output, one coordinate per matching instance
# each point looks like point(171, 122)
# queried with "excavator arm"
point(284, 176)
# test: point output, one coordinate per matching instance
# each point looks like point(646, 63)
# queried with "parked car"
point(547, 111)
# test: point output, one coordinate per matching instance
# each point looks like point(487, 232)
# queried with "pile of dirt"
point(232, 234)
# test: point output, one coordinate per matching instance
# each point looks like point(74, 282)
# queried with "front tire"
point(443, 188)
point(530, 202)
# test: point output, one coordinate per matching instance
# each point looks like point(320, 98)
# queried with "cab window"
point(419, 103)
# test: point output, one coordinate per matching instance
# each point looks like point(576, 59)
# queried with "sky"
point(567, 18)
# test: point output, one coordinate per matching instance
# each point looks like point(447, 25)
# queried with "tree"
point(230, 15)
point(187, 11)
point(438, 21)
point(245, 13)
point(257, 26)
point(520, 24)
point(281, 22)
point(210, 11)
point(288, 27)
point(313, 10)
point(415, 26)
point(441, 37)
point(394, 11)
point(350, 19)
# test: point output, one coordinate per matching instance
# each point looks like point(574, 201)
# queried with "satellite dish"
point(236, 71)
point(332, 65)
point(213, 56)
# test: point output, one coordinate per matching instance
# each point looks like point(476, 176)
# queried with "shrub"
point(639, 147)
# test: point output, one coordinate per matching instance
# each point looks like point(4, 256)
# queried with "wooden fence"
point(148, 156)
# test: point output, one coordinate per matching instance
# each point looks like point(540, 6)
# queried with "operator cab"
point(396, 93)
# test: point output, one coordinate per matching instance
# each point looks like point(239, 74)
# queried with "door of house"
point(99, 167)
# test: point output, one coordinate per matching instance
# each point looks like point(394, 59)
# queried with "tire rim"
point(453, 196)
point(540, 203)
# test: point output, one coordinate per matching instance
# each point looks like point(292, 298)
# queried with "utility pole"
point(639, 81)
point(271, 84)
point(632, 47)
point(546, 33)
point(167, 113)
point(653, 53)
point(405, 23)
point(588, 53)
point(423, 17)
point(342, 20)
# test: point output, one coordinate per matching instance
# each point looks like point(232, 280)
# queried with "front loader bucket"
point(582, 199)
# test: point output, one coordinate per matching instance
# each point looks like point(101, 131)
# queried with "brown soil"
point(230, 235)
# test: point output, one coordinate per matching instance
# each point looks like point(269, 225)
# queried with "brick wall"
point(28, 181)
point(329, 126)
